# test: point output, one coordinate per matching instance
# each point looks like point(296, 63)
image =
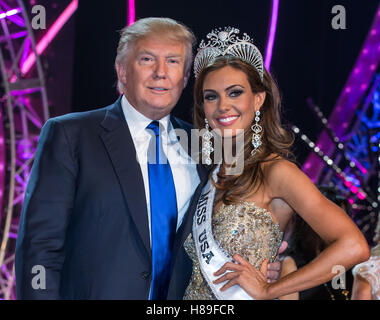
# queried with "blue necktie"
point(163, 208)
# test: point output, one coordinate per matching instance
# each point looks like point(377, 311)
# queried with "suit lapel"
point(120, 147)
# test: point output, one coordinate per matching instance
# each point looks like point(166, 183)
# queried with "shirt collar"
point(137, 122)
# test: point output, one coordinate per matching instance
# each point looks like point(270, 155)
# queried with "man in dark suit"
point(87, 213)
point(100, 220)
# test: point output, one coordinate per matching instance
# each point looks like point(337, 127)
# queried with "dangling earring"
point(256, 137)
point(207, 144)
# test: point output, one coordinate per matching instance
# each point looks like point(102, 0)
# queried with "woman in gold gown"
point(240, 217)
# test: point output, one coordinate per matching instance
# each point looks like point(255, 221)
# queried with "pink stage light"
point(131, 12)
point(361, 196)
point(49, 36)
point(360, 167)
point(354, 189)
point(272, 34)
point(347, 183)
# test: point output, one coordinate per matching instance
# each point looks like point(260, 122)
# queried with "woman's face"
point(228, 100)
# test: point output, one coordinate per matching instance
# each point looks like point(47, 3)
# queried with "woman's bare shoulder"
point(278, 167)
point(282, 175)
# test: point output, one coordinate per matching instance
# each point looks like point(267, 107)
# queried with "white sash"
point(211, 256)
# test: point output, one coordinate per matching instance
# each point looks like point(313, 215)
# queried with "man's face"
point(153, 75)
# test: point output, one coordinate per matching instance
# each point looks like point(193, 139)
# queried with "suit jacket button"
point(145, 275)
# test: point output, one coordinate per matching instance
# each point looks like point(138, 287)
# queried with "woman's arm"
point(289, 266)
point(346, 244)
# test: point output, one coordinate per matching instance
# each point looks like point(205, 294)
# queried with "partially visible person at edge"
point(367, 274)
point(304, 246)
point(102, 220)
point(241, 217)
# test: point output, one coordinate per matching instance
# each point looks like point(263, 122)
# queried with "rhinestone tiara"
point(226, 42)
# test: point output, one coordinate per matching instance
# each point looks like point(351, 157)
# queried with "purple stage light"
point(25, 53)
point(50, 35)
point(272, 34)
point(13, 17)
point(9, 13)
point(14, 35)
point(2, 163)
point(12, 235)
point(21, 125)
point(350, 98)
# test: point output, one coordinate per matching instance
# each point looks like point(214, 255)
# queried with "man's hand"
point(274, 269)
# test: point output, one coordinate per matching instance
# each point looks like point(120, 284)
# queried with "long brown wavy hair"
point(275, 139)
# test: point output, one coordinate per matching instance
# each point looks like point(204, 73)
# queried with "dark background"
point(310, 58)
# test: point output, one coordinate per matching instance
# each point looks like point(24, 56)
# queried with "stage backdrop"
point(310, 58)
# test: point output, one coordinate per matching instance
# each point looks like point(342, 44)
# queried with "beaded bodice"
point(370, 270)
point(241, 228)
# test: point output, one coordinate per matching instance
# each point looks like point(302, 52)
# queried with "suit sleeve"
point(46, 212)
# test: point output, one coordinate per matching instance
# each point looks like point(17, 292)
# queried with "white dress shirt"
point(184, 170)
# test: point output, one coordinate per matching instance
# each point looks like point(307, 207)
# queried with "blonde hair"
point(155, 27)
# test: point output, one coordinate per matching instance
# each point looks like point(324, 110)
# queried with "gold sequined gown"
point(370, 270)
point(240, 228)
